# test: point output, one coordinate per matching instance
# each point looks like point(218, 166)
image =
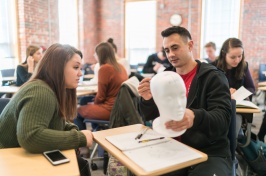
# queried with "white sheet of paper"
point(127, 141)
point(153, 155)
point(240, 94)
point(162, 155)
point(246, 104)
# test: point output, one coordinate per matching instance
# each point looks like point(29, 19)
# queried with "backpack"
point(254, 154)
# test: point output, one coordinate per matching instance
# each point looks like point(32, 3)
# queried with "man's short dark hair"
point(183, 32)
point(210, 44)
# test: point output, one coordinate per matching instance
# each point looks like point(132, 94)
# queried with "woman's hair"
point(30, 51)
point(221, 61)
point(106, 55)
point(51, 70)
point(111, 41)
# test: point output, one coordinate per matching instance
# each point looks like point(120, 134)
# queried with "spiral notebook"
point(155, 154)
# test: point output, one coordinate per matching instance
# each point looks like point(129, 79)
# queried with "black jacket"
point(209, 98)
point(151, 62)
point(22, 75)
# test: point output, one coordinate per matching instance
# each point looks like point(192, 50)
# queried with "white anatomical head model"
point(169, 94)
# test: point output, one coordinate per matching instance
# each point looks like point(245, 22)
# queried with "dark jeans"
point(214, 166)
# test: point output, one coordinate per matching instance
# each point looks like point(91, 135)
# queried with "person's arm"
point(248, 81)
point(149, 109)
point(70, 126)
point(148, 67)
point(22, 74)
point(215, 118)
point(103, 81)
point(40, 128)
point(147, 104)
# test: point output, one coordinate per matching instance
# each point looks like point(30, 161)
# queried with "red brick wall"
point(190, 21)
point(101, 19)
point(37, 23)
point(253, 33)
point(88, 27)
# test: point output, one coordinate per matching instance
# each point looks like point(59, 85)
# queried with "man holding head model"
point(208, 109)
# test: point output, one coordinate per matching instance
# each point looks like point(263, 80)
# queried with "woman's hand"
point(30, 62)
point(232, 90)
point(89, 137)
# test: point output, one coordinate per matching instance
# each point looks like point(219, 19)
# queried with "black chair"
point(8, 73)
point(232, 137)
point(3, 103)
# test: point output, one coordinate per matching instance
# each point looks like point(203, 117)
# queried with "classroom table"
point(99, 137)
point(10, 78)
point(88, 76)
point(262, 85)
point(19, 162)
point(86, 90)
point(9, 89)
point(81, 91)
point(247, 114)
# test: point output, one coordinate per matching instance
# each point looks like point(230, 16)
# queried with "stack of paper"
point(240, 95)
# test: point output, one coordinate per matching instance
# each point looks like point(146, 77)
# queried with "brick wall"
point(253, 33)
point(37, 23)
point(101, 19)
point(190, 21)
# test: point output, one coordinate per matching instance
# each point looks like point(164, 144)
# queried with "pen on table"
point(148, 140)
point(143, 131)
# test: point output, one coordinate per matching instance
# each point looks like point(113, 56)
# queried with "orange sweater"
point(109, 82)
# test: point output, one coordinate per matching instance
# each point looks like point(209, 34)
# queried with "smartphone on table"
point(56, 157)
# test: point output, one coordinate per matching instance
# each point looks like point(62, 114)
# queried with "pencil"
point(148, 140)
point(142, 132)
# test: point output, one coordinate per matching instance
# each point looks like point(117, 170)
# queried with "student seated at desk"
point(25, 70)
point(120, 60)
point(208, 112)
point(110, 77)
point(38, 117)
point(156, 63)
point(232, 61)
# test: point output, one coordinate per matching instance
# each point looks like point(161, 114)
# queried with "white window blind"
point(68, 22)
point(140, 30)
point(220, 21)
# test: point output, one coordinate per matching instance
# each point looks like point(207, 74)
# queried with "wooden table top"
point(99, 137)
point(19, 162)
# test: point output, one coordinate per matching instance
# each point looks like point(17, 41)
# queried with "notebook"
point(155, 154)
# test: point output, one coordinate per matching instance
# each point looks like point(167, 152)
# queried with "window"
point(68, 22)
point(8, 34)
point(220, 21)
point(140, 30)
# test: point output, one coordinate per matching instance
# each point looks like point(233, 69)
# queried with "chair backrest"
point(8, 72)
point(262, 72)
point(3, 103)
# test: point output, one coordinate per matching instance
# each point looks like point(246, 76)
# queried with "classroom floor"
point(255, 128)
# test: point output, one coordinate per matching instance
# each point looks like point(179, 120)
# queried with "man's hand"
point(144, 89)
point(185, 123)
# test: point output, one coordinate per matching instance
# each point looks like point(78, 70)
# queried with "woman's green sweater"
point(31, 120)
